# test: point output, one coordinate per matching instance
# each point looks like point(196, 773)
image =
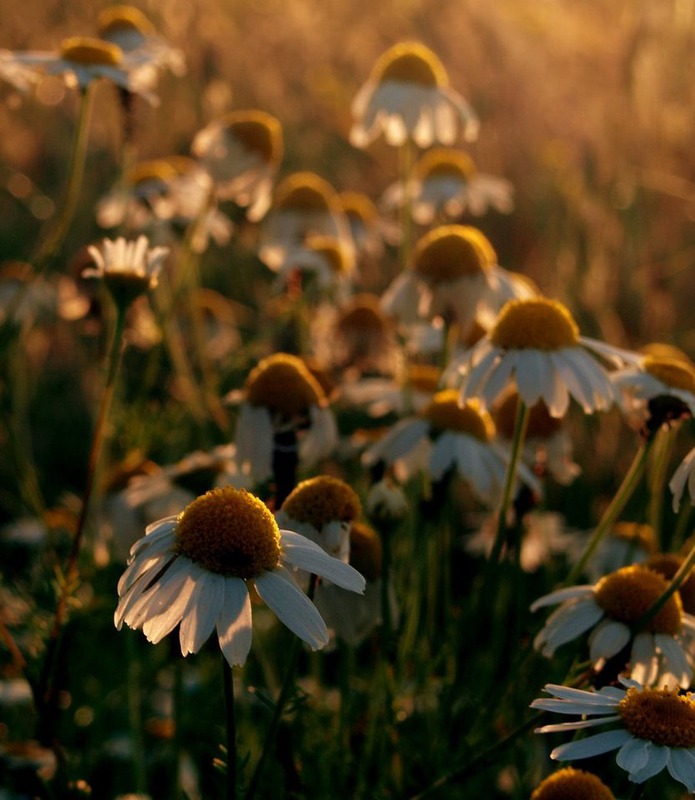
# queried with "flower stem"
point(228, 680)
point(664, 439)
point(673, 586)
point(616, 506)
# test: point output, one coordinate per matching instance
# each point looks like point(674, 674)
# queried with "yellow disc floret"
point(123, 17)
point(627, 594)
point(363, 316)
point(358, 206)
point(230, 532)
point(572, 784)
point(674, 373)
point(450, 252)
point(445, 162)
point(321, 500)
point(660, 716)
point(537, 323)
point(423, 377)
point(410, 62)
point(637, 534)
point(445, 413)
point(335, 254)
point(305, 191)
point(89, 50)
point(283, 383)
point(258, 131)
point(668, 564)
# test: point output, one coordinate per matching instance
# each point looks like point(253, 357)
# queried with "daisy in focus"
point(407, 97)
point(608, 611)
point(652, 729)
point(194, 570)
point(537, 343)
point(242, 152)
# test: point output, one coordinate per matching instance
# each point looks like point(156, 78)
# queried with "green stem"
point(673, 586)
point(657, 479)
point(615, 508)
point(135, 714)
point(228, 680)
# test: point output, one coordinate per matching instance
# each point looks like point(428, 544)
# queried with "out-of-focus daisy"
point(609, 609)
point(242, 151)
point(407, 96)
point(625, 543)
point(547, 446)
point(537, 343)
point(304, 205)
point(572, 783)
point(21, 76)
point(84, 59)
point(446, 436)
point(453, 267)
point(281, 396)
point(193, 569)
point(404, 394)
point(445, 185)
point(368, 228)
point(668, 564)
point(128, 268)
point(656, 391)
point(322, 508)
point(323, 267)
point(652, 729)
point(128, 28)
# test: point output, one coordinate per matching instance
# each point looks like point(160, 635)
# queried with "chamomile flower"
point(625, 543)
point(572, 783)
point(280, 397)
point(445, 436)
point(368, 228)
point(322, 508)
point(609, 610)
point(325, 265)
point(537, 343)
point(404, 394)
point(128, 268)
point(445, 185)
point(194, 570)
point(22, 77)
point(407, 97)
point(652, 729)
point(242, 151)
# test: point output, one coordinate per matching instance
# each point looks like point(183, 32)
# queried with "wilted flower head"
point(407, 96)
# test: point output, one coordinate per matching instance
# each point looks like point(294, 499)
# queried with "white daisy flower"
point(608, 610)
point(536, 343)
point(281, 396)
point(128, 268)
point(684, 475)
point(195, 569)
point(21, 76)
point(326, 268)
point(625, 543)
point(242, 152)
point(368, 228)
point(407, 96)
point(652, 729)
point(446, 436)
point(405, 395)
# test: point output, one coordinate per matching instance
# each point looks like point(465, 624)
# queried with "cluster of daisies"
point(465, 368)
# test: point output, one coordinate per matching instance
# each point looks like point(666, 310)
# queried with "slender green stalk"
point(673, 586)
point(660, 460)
point(615, 508)
point(228, 680)
point(177, 741)
point(135, 714)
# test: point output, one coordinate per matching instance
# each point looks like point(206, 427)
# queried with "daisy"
point(625, 543)
point(323, 509)
point(404, 394)
point(128, 268)
point(304, 205)
point(281, 398)
point(242, 151)
point(446, 436)
point(572, 783)
point(196, 570)
point(84, 59)
point(652, 729)
point(368, 229)
point(407, 96)
point(21, 76)
point(324, 265)
point(446, 184)
point(537, 343)
point(608, 610)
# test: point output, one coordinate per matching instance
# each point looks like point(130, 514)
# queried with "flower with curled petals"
point(196, 569)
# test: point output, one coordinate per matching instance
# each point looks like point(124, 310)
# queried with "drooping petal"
point(591, 745)
point(201, 612)
point(657, 759)
point(157, 627)
point(608, 639)
point(233, 623)
point(302, 553)
point(633, 755)
point(681, 766)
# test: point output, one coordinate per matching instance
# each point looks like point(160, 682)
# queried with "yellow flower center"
point(364, 316)
point(540, 424)
point(305, 191)
point(450, 252)
point(321, 500)
point(357, 205)
point(627, 594)
point(126, 285)
point(365, 550)
point(536, 323)
point(572, 784)
point(229, 531)
point(423, 377)
point(636, 533)
point(410, 62)
point(160, 169)
point(675, 373)
point(445, 162)
point(257, 131)
point(667, 564)
point(88, 50)
point(445, 413)
point(335, 254)
point(659, 716)
point(664, 350)
point(122, 17)
point(283, 383)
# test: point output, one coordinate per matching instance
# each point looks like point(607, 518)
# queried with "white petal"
point(657, 758)
point(561, 595)
point(159, 596)
point(608, 639)
point(234, 622)
point(585, 698)
point(591, 745)
point(681, 765)
point(302, 553)
point(575, 726)
point(201, 613)
point(643, 659)
point(292, 607)
point(157, 627)
point(633, 755)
